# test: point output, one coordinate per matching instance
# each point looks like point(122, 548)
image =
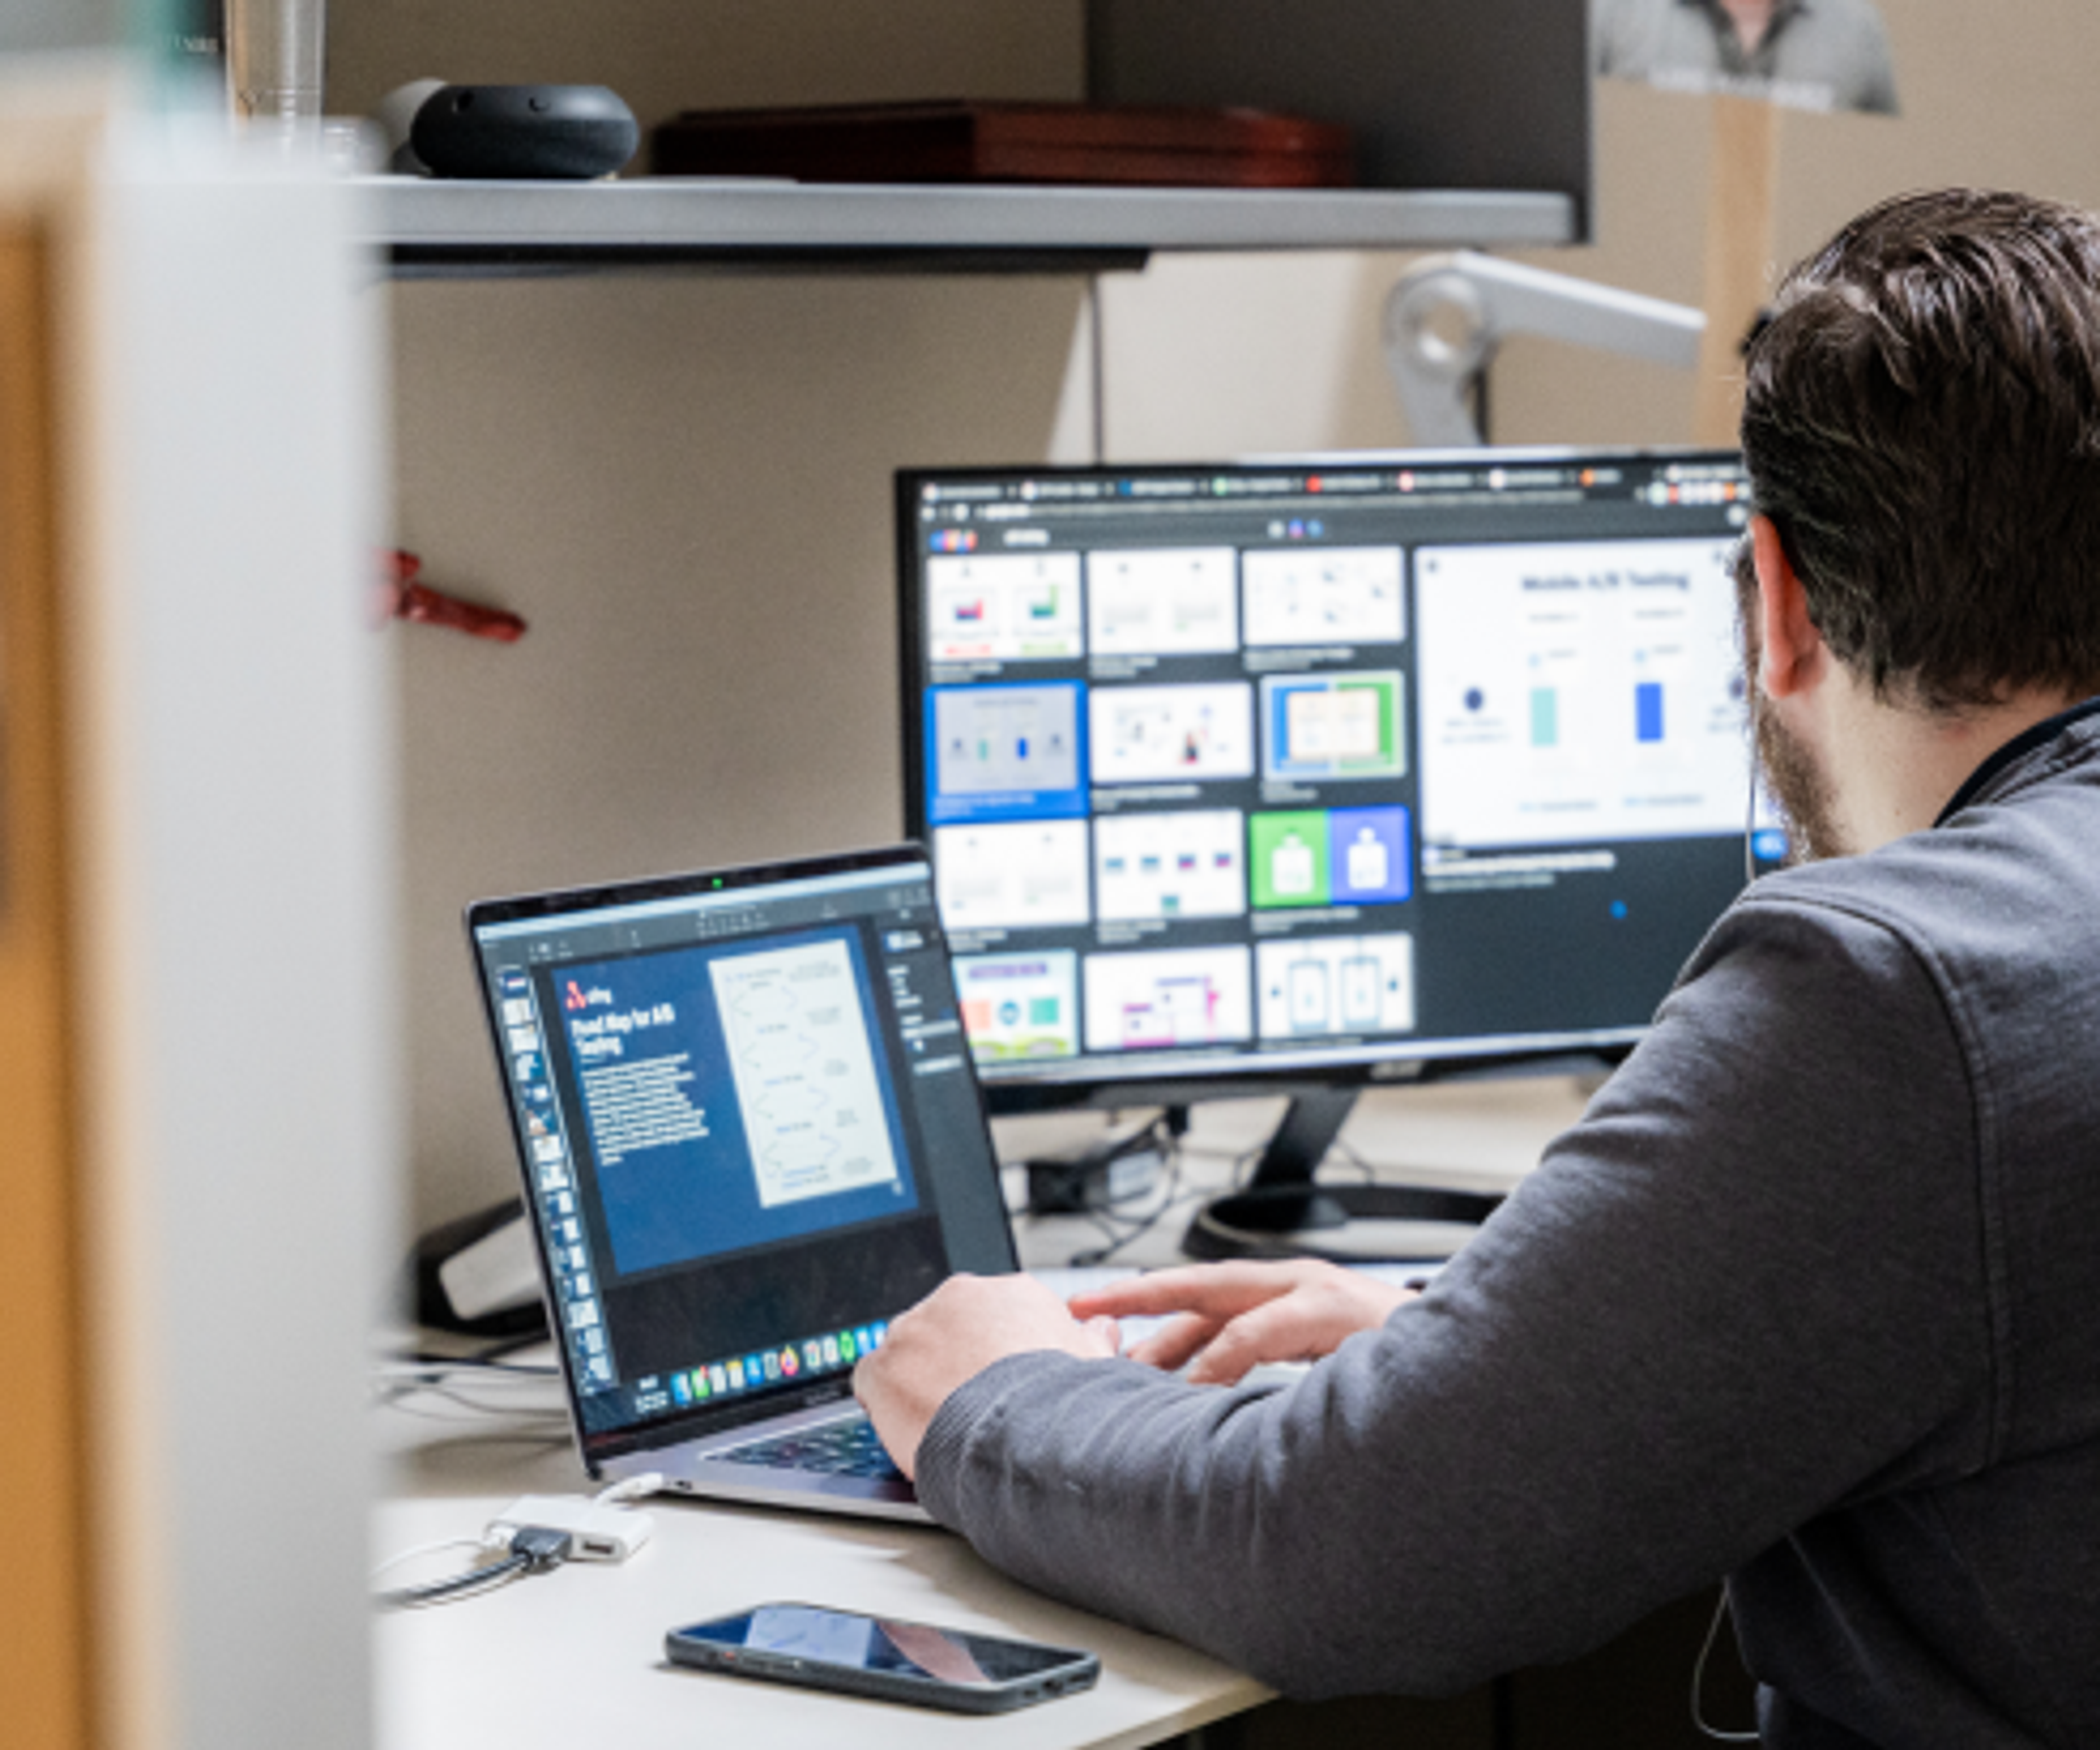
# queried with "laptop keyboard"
point(848, 1447)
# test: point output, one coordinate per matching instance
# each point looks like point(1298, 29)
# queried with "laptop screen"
point(749, 1126)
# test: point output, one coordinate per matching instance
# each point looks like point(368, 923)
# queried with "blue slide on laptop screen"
point(751, 1134)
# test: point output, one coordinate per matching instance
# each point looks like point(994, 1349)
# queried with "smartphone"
point(882, 1656)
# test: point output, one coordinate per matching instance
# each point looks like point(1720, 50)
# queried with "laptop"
point(751, 1135)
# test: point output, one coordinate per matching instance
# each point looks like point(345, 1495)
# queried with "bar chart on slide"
point(1580, 693)
point(1014, 751)
point(1015, 607)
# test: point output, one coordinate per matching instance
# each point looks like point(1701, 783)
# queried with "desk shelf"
point(430, 228)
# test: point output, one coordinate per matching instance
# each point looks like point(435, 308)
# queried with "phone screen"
point(846, 1641)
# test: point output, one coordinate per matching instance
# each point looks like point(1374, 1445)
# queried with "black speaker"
point(566, 132)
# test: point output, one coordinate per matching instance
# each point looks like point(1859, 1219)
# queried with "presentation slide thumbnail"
point(1170, 865)
point(1004, 607)
point(1330, 856)
point(1020, 1006)
point(1579, 693)
point(1170, 997)
point(1322, 728)
point(1160, 734)
point(1331, 985)
point(1018, 875)
point(1324, 595)
point(1006, 752)
point(1162, 601)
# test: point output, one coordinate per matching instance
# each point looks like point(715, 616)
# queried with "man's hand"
point(1227, 1318)
point(959, 1330)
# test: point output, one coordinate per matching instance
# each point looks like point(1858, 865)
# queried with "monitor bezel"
point(1168, 1079)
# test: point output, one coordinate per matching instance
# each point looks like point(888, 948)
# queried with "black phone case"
point(954, 1698)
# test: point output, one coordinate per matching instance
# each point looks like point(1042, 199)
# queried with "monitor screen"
point(1323, 769)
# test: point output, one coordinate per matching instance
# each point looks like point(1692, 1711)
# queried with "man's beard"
point(1795, 783)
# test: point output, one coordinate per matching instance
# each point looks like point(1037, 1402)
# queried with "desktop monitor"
point(1293, 776)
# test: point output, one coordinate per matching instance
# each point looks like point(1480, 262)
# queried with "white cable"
point(421, 1549)
point(430, 1372)
point(1699, 1683)
point(520, 1549)
point(497, 1422)
point(509, 1392)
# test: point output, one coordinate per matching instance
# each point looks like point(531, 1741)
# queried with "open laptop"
point(751, 1135)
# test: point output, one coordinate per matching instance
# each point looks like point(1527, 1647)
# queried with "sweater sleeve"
point(1745, 1289)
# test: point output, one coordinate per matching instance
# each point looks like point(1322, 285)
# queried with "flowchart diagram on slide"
point(806, 1082)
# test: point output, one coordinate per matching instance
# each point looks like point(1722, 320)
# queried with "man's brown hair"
point(1922, 422)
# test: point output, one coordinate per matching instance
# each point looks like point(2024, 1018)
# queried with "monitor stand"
point(1283, 1212)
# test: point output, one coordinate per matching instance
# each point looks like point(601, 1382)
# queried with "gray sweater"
point(1810, 1297)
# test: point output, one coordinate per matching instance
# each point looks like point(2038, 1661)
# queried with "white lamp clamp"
point(1445, 316)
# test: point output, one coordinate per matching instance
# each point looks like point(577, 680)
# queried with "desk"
point(575, 1658)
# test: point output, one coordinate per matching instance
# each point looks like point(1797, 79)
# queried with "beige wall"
point(1993, 95)
point(683, 484)
point(627, 461)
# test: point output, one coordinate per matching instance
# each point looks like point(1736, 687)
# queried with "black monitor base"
point(1283, 1213)
point(1291, 1221)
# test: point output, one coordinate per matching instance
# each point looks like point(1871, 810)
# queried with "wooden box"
point(958, 142)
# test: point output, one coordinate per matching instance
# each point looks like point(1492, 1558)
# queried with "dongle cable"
point(534, 1534)
point(529, 1549)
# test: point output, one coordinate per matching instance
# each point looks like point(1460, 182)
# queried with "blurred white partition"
point(229, 1152)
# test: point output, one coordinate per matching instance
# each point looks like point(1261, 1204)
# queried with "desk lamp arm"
point(1445, 317)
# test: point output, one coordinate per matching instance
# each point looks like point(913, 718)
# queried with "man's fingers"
point(1169, 1347)
point(959, 1329)
point(1278, 1330)
point(1105, 1333)
point(1216, 1291)
point(1223, 1319)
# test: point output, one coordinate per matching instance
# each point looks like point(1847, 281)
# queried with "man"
point(1809, 54)
point(1810, 1296)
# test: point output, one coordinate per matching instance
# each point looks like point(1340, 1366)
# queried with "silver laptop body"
point(750, 1134)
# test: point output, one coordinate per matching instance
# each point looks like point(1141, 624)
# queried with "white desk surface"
point(575, 1657)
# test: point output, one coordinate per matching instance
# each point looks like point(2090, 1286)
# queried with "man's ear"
point(1792, 652)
